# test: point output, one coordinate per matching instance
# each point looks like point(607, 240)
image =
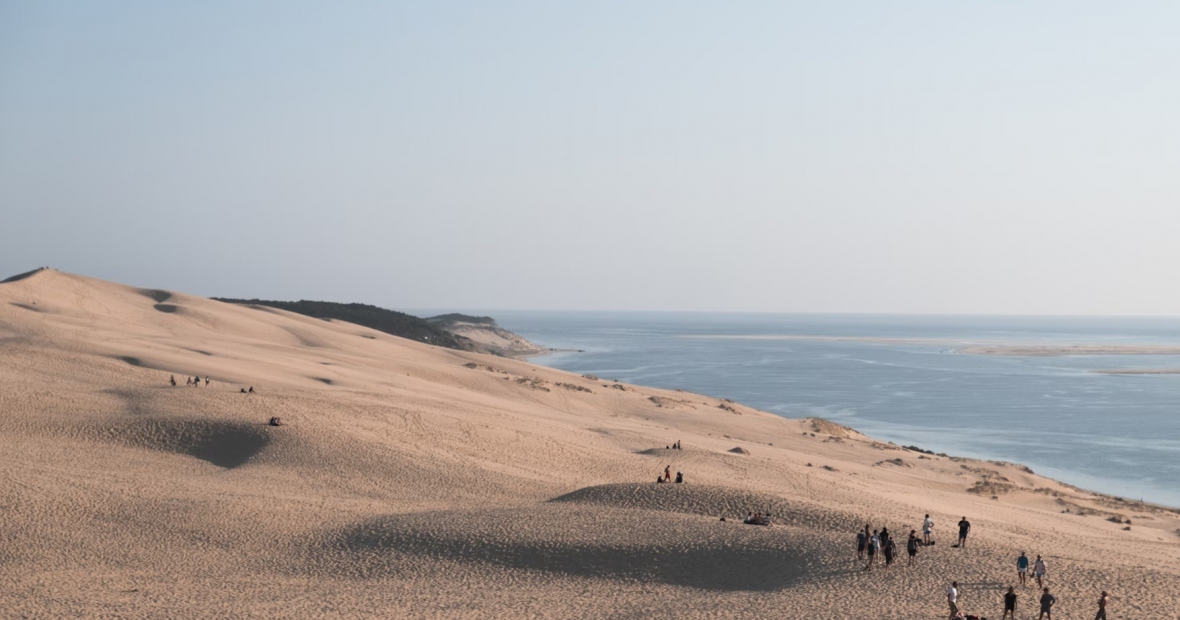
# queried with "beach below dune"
point(413, 481)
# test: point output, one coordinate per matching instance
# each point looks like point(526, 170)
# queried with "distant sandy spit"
point(869, 339)
point(1137, 371)
point(1060, 350)
point(979, 347)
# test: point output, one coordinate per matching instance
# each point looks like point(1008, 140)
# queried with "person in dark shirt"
point(861, 539)
point(1009, 604)
point(964, 527)
point(1102, 606)
point(1047, 602)
point(911, 546)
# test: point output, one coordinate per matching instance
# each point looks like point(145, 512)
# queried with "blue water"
point(1115, 434)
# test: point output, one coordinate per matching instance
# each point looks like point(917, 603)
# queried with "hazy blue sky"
point(1018, 157)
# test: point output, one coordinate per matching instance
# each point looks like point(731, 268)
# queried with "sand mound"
point(587, 542)
point(156, 294)
point(709, 500)
point(820, 425)
point(224, 444)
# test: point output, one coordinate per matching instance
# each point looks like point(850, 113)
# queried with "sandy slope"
point(413, 481)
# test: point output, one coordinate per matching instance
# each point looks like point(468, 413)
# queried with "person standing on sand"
point(1047, 602)
point(964, 527)
point(862, 539)
point(874, 547)
point(911, 546)
point(668, 473)
point(1102, 606)
point(206, 381)
point(927, 528)
point(952, 599)
point(172, 380)
point(1009, 604)
point(1022, 568)
point(889, 549)
point(188, 381)
point(1039, 569)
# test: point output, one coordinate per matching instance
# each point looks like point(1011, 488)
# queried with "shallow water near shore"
point(1117, 434)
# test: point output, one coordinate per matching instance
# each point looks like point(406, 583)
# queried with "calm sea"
point(1115, 434)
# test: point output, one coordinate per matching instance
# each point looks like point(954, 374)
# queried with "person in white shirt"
point(927, 527)
point(1039, 570)
point(874, 549)
point(952, 598)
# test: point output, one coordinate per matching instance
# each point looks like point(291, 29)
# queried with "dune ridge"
point(412, 481)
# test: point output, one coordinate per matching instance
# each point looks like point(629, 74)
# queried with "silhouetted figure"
point(206, 381)
point(188, 381)
point(679, 477)
point(1047, 601)
point(276, 422)
point(172, 380)
point(243, 390)
point(251, 389)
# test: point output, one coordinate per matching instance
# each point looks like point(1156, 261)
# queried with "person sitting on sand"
point(952, 598)
point(679, 477)
point(1022, 568)
point(1047, 601)
point(1102, 606)
point(749, 518)
point(1039, 570)
point(1009, 604)
point(659, 480)
point(243, 390)
point(911, 547)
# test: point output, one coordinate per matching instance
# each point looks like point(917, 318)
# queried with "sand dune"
point(414, 481)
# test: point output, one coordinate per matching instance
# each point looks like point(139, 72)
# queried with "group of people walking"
point(196, 382)
point(879, 543)
point(189, 381)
